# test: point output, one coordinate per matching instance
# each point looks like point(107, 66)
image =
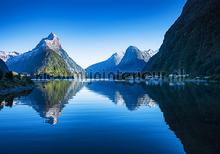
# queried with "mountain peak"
point(132, 51)
point(117, 57)
point(132, 48)
point(52, 36)
point(50, 42)
point(134, 60)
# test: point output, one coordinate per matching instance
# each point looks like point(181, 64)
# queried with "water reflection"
point(9, 99)
point(193, 113)
point(123, 93)
point(49, 98)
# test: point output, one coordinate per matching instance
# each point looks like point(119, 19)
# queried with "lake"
point(111, 117)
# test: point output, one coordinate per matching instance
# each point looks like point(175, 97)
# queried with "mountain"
point(193, 41)
point(5, 55)
point(3, 67)
point(134, 60)
point(47, 57)
point(109, 65)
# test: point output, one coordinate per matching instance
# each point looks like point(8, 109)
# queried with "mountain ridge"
point(132, 58)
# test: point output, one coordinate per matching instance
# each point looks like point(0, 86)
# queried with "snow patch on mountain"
point(152, 52)
point(5, 55)
point(50, 42)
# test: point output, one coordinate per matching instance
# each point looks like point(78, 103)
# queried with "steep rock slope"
point(193, 41)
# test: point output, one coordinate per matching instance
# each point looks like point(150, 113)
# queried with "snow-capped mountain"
point(47, 57)
point(5, 55)
point(134, 60)
point(109, 65)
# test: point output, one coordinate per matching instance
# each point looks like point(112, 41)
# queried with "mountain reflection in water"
point(122, 93)
point(191, 111)
point(193, 114)
point(49, 98)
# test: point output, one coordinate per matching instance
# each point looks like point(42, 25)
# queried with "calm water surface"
point(111, 117)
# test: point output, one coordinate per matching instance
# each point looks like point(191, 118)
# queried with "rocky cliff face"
point(193, 41)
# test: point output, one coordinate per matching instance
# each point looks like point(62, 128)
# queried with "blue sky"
point(90, 31)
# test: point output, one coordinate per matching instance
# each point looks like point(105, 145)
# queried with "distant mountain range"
point(193, 41)
point(132, 60)
point(5, 55)
point(47, 57)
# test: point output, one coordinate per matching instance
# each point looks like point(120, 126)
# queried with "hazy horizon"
point(89, 31)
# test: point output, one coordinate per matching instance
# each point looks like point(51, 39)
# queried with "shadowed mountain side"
point(3, 67)
point(121, 93)
point(49, 98)
point(193, 113)
point(193, 42)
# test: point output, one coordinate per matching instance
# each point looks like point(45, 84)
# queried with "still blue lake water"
point(111, 117)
